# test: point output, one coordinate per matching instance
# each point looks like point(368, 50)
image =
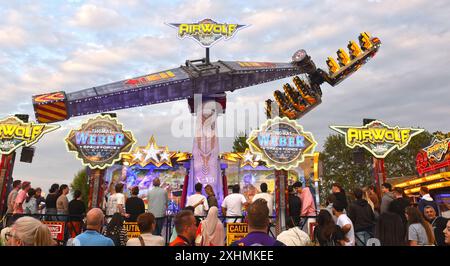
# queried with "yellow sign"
point(437, 149)
point(15, 133)
point(150, 78)
point(207, 31)
point(236, 231)
point(377, 137)
point(132, 229)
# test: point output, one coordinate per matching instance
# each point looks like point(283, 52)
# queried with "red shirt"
point(180, 241)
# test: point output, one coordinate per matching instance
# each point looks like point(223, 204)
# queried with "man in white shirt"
point(198, 201)
point(266, 196)
point(116, 202)
point(344, 223)
point(232, 204)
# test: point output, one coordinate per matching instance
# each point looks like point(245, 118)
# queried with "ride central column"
point(205, 164)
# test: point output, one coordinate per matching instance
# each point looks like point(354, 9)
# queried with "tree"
point(240, 144)
point(403, 162)
point(338, 164)
point(80, 182)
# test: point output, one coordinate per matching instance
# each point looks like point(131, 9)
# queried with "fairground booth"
point(433, 167)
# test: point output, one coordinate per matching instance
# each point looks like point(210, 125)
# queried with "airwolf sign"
point(206, 32)
point(100, 142)
point(14, 133)
point(281, 143)
point(377, 137)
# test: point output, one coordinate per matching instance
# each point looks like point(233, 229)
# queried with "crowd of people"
point(393, 219)
point(347, 219)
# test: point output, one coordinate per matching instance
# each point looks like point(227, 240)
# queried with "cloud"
point(96, 17)
point(71, 46)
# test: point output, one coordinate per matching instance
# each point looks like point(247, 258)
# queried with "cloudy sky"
point(70, 45)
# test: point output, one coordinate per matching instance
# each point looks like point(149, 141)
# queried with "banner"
point(56, 229)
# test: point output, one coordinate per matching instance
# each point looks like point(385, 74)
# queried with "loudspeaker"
point(23, 117)
point(358, 156)
point(27, 154)
point(367, 121)
point(113, 115)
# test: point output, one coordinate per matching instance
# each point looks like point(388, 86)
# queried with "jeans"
point(159, 226)
point(51, 211)
point(362, 237)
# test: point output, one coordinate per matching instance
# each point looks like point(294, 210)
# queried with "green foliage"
point(240, 144)
point(403, 162)
point(338, 164)
point(80, 182)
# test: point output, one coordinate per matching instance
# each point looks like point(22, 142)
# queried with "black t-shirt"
point(398, 207)
point(76, 207)
point(295, 206)
point(50, 201)
point(134, 206)
point(439, 224)
point(333, 240)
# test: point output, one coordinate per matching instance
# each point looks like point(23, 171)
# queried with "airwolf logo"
point(14, 133)
point(206, 32)
point(437, 149)
point(377, 137)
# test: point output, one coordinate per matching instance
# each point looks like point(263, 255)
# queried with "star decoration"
point(248, 158)
point(137, 156)
point(150, 154)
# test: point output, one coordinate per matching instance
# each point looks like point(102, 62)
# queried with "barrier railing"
point(74, 224)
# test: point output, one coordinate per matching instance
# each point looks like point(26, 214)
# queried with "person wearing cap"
point(18, 209)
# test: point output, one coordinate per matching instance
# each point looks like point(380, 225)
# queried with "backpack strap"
point(142, 241)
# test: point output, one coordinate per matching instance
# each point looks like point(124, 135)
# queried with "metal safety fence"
point(74, 225)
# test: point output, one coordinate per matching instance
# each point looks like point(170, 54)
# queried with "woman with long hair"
point(389, 229)
point(327, 233)
point(212, 200)
point(28, 231)
point(420, 232)
point(211, 231)
point(115, 230)
point(50, 202)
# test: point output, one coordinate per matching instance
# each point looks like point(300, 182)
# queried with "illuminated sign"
point(257, 64)
point(206, 32)
point(14, 133)
point(377, 137)
point(153, 154)
point(150, 78)
point(437, 149)
point(236, 231)
point(281, 143)
point(100, 142)
point(433, 157)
